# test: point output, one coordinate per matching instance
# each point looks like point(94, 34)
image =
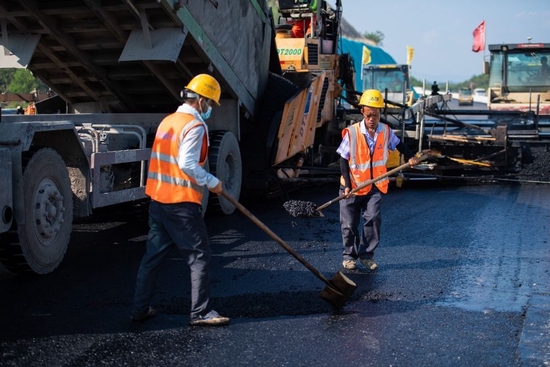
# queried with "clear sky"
point(440, 31)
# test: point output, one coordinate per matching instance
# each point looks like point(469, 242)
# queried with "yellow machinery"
point(312, 64)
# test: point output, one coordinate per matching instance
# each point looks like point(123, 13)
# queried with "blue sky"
point(440, 31)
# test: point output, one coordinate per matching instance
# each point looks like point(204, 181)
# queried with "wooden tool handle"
point(370, 182)
point(276, 238)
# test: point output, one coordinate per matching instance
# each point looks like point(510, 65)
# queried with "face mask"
point(206, 115)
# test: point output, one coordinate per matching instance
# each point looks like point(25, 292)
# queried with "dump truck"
point(117, 68)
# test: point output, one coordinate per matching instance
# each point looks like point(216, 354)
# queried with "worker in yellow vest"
point(175, 182)
point(363, 155)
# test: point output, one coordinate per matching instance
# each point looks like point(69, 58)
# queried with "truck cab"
point(519, 78)
point(392, 80)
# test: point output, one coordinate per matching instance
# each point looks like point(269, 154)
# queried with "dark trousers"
point(180, 225)
point(360, 244)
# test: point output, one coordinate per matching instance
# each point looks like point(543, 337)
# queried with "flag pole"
point(484, 43)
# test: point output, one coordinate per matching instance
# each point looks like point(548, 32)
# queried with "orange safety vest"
point(298, 27)
point(166, 182)
point(362, 162)
point(30, 110)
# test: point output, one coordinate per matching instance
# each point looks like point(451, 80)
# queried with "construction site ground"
point(462, 281)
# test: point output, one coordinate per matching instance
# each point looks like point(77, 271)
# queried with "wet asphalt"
point(463, 280)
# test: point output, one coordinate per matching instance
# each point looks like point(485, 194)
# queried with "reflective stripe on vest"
point(360, 160)
point(166, 182)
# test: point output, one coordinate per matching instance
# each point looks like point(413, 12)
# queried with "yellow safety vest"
point(361, 162)
point(166, 182)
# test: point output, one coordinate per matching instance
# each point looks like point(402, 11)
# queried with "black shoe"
point(369, 264)
point(151, 312)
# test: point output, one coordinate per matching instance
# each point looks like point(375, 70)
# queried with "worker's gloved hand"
point(217, 189)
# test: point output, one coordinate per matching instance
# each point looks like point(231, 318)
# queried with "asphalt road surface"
point(463, 281)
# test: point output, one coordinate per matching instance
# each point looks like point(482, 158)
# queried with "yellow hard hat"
point(206, 86)
point(372, 98)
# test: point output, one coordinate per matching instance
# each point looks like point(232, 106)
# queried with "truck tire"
point(224, 157)
point(48, 207)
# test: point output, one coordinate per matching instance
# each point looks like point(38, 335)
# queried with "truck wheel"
point(48, 206)
point(225, 163)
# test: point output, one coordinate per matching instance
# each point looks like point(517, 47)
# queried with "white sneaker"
point(349, 264)
point(210, 319)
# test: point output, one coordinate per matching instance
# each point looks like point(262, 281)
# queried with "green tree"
point(376, 37)
point(6, 75)
point(22, 82)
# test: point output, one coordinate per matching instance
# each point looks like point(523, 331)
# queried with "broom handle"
point(277, 239)
point(370, 182)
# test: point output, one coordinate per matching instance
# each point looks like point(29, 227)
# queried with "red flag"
point(479, 37)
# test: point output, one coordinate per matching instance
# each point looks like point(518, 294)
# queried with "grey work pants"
point(180, 225)
point(360, 244)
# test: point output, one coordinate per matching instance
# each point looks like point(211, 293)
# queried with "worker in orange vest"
point(301, 27)
point(175, 182)
point(363, 156)
point(31, 109)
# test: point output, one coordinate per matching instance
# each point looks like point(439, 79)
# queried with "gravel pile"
point(535, 165)
point(299, 208)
